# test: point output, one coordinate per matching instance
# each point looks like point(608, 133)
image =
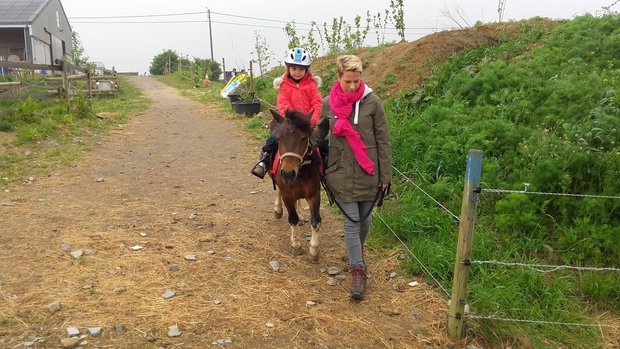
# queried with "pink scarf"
point(341, 104)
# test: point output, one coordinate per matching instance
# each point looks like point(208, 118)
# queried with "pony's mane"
point(298, 120)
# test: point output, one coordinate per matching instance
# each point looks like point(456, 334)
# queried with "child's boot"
point(260, 169)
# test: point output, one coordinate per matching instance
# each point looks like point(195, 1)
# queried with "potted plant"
point(247, 103)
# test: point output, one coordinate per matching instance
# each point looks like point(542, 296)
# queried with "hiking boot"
point(259, 170)
point(358, 283)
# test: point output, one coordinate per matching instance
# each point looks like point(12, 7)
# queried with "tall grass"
point(545, 110)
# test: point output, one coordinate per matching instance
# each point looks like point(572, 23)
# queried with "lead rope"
point(378, 199)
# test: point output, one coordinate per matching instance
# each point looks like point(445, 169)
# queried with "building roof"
point(20, 11)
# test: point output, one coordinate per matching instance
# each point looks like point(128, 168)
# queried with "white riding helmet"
point(298, 56)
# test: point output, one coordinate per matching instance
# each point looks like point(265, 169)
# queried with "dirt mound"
point(405, 65)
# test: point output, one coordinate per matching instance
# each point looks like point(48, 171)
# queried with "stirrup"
point(259, 170)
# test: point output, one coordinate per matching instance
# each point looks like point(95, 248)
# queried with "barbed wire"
point(411, 253)
point(538, 322)
point(552, 194)
point(427, 194)
point(537, 267)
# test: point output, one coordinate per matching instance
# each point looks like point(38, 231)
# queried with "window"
point(58, 20)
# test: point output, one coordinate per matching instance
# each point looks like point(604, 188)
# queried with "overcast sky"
point(132, 46)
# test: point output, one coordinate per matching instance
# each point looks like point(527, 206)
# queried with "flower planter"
point(247, 108)
point(234, 97)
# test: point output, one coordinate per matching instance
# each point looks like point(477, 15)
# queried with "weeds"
point(46, 131)
point(543, 109)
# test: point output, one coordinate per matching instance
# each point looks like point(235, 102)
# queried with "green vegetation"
point(170, 61)
point(545, 109)
point(38, 135)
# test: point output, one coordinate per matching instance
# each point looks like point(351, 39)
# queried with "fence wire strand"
point(538, 322)
point(427, 194)
point(541, 267)
point(507, 191)
point(375, 213)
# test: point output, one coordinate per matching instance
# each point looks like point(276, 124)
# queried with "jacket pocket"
point(333, 160)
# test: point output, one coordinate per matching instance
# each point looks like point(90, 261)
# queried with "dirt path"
point(175, 181)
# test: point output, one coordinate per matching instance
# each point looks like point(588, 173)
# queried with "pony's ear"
point(309, 115)
point(276, 115)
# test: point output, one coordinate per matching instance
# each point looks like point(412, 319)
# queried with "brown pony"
point(297, 175)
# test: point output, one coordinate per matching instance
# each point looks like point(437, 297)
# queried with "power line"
point(222, 14)
point(229, 23)
point(141, 16)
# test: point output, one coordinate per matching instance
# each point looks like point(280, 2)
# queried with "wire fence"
point(542, 268)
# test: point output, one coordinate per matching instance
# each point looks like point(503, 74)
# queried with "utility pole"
point(210, 35)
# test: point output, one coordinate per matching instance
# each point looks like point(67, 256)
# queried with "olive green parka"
point(345, 178)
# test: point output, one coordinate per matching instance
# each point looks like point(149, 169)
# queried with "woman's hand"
point(384, 187)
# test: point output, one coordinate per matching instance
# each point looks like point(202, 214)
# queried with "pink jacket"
point(304, 96)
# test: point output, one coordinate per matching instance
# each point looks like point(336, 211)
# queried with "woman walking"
point(359, 165)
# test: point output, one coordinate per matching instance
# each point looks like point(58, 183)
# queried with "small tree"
point(77, 50)
point(501, 6)
point(291, 32)
point(164, 63)
point(379, 24)
point(398, 17)
point(207, 66)
point(263, 54)
point(334, 37)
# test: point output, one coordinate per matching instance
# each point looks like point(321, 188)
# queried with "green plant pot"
point(247, 108)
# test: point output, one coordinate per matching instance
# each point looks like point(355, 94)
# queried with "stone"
point(173, 331)
point(332, 282)
point(168, 294)
point(143, 234)
point(174, 267)
point(54, 307)
point(311, 303)
point(73, 331)
point(393, 275)
point(70, 342)
point(413, 283)
point(100, 179)
point(119, 328)
point(150, 337)
point(210, 252)
point(269, 325)
point(222, 341)
point(95, 331)
point(217, 301)
point(192, 216)
point(190, 257)
point(275, 265)
point(76, 254)
point(137, 248)
point(333, 271)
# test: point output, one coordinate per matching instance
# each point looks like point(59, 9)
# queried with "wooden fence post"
point(463, 250)
point(66, 84)
point(89, 81)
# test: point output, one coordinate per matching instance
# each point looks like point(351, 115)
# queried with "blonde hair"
point(348, 63)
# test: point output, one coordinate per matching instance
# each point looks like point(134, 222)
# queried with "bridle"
point(302, 158)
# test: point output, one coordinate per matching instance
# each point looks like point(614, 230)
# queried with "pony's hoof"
point(297, 251)
point(314, 259)
point(277, 214)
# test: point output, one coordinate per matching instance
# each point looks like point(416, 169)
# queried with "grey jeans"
point(355, 233)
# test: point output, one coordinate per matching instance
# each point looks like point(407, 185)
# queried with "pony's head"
point(293, 136)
